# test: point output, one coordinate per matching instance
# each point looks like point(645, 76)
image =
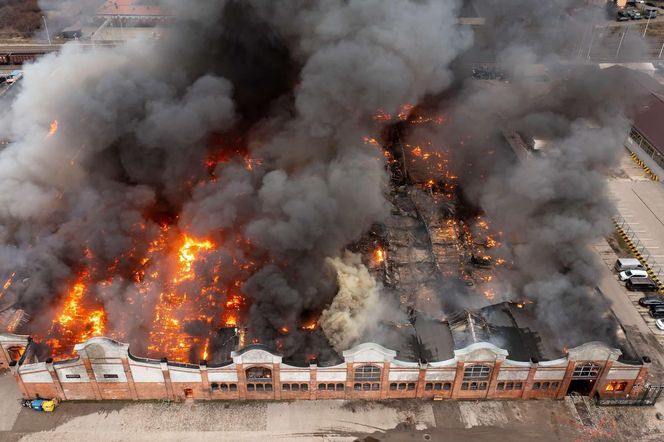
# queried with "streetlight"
point(47, 34)
point(647, 23)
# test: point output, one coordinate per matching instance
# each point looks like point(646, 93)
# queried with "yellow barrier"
point(653, 176)
point(638, 255)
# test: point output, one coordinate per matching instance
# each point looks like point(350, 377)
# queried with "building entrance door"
point(581, 386)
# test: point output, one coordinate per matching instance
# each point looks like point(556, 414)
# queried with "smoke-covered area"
point(242, 126)
point(549, 207)
point(359, 309)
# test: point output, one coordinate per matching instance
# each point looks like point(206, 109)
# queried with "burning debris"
point(182, 206)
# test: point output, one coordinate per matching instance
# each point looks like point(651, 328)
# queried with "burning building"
point(251, 204)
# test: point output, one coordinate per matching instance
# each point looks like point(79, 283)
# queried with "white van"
point(623, 264)
point(624, 276)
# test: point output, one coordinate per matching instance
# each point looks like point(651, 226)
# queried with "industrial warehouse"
point(352, 220)
point(105, 369)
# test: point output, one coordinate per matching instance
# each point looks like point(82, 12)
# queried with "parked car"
point(627, 274)
point(660, 324)
point(637, 284)
point(650, 12)
point(623, 264)
point(622, 16)
point(647, 301)
point(657, 314)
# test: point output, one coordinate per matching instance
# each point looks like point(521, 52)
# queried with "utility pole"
point(647, 23)
point(590, 47)
point(621, 41)
point(47, 34)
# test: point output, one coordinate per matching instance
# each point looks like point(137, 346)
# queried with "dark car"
point(641, 285)
point(657, 314)
point(650, 301)
point(622, 16)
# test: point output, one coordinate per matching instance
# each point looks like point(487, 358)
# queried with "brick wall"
point(474, 376)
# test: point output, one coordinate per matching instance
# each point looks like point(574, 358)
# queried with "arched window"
point(258, 374)
point(476, 372)
point(367, 373)
point(586, 370)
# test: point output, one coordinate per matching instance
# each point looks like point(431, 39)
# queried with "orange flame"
point(379, 255)
point(53, 128)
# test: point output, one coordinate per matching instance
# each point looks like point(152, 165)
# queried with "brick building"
point(448, 367)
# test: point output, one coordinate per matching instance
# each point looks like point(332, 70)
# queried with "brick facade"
point(105, 370)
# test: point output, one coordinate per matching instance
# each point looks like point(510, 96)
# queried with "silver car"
point(627, 274)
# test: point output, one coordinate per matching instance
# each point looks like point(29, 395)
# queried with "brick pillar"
point(640, 381)
point(385, 380)
point(566, 380)
point(530, 380)
point(313, 381)
point(241, 382)
point(276, 381)
point(170, 394)
point(491, 388)
point(56, 380)
point(599, 382)
point(130, 379)
point(14, 367)
point(204, 380)
point(421, 380)
point(349, 380)
point(458, 380)
point(91, 376)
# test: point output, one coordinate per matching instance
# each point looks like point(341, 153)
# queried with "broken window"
point(214, 386)
point(616, 386)
point(447, 386)
point(483, 385)
point(464, 386)
point(357, 387)
point(500, 386)
point(476, 372)
point(321, 387)
point(223, 387)
point(545, 385)
point(304, 387)
point(536, 386)
point(260, 374)
point(509, 386)
point(402, 386)
point(587, 370)
point(428, 386)
point(367, 373)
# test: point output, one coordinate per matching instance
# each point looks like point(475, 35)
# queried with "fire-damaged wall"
point(106, 370)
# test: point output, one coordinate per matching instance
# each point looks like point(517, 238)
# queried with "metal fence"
point(648, 398)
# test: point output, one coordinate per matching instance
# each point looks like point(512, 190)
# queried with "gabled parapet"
point(105, 369)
